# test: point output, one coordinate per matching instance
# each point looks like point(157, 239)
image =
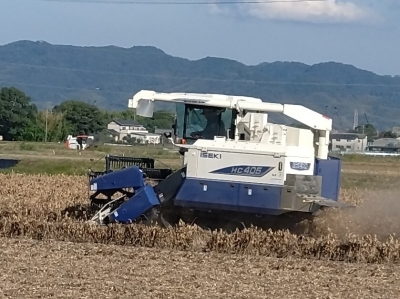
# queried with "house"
point(385, 145)
point(162, 131)
point(120, 128)
point(348, 142)
point(131, 131)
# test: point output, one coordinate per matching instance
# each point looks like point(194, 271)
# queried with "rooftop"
point(126, 122)
point(113, 132)
point(162, 131)
point(349, 136)
point(144, 134)
point(387, 143)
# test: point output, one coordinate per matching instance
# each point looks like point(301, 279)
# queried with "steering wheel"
point(196, 135)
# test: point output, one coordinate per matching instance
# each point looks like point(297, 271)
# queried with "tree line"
point(20, 120)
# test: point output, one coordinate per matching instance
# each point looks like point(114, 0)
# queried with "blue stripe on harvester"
point(229, 196)
point(244, 170)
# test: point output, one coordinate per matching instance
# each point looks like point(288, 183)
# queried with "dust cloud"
point(377, 214)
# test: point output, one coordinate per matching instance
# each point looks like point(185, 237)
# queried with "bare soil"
point(49, 269)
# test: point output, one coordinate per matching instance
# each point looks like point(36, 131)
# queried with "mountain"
point(109, 75)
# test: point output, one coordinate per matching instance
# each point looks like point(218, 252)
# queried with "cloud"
point(330, 11)
point(214, 8)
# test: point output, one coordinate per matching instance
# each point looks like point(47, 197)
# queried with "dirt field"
point(351, 254)
point(69, 270)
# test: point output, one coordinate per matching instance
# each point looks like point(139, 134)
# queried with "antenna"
point(355, 125)
point(337, 114)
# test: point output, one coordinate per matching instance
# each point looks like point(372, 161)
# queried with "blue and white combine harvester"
point(237, 167)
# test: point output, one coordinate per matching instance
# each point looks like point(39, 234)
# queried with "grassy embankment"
point(53, 158)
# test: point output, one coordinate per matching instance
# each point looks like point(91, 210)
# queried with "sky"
point(364, 33)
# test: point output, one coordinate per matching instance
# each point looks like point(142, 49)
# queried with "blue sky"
point(363, 33)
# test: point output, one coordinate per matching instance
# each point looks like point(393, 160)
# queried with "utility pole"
point(355, 124)
point(154, 142)
point(45, 135)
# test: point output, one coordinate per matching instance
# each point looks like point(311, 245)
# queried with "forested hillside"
point(108, 76)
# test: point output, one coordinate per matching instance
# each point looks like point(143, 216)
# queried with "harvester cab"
point(236, 167)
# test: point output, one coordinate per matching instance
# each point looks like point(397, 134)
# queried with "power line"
point(183, 2)
point(195, 78)
point(128, 94)
point(66, 88)
point(124, 93)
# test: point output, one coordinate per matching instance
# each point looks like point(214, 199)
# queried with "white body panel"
point(143, 101)
point(308, 117)
point(241, 161)
point(251, 121)
point(299, 137)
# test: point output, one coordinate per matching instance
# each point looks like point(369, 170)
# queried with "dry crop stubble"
point(53, 269)
point(53, 207)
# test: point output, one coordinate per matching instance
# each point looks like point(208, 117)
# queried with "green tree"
point(56, 128)
point(160, 120)
point(387, 134)
point(368, 130)
point(17, 116)
point(80, 118)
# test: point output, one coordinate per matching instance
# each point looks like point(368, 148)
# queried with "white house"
point(348, 142)
point(120, 128)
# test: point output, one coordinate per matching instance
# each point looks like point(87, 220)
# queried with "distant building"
point(132, 131)
point(162, 131)
point(385, 145)
point(348, 142)
point(120, 128)
point(143, 138)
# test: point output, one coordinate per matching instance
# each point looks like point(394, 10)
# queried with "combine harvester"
point(238, 169)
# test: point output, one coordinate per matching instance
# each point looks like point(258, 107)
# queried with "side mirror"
point(145, 108)
point(168, 135)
